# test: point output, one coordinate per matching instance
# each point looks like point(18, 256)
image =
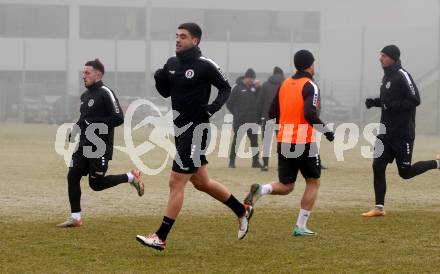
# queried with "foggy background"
point(44, 44)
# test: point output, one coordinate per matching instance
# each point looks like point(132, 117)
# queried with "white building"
point(44, 43)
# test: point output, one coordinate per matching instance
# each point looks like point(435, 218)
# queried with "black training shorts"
point(299, 157)
point(399, 149)
point(189, 155)
point(94, 167)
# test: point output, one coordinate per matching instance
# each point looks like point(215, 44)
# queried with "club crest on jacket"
point(189, 73)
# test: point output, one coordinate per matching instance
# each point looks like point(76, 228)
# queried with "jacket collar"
point(302, 74)
point(96, 85)
point(189, 54)
point(393, 68)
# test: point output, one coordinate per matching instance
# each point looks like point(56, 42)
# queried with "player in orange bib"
point(296, 109)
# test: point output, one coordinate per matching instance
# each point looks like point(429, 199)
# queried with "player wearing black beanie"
point(398, 100)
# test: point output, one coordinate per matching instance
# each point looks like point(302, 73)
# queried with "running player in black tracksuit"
point(188, 78)
point(398, 100)
point(100, 114)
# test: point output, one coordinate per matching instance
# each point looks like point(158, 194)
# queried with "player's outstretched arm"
point(218, 80)
point(372, 102)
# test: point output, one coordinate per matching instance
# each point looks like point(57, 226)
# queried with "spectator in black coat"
point(243, 105)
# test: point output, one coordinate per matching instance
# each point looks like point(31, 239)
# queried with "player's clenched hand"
point(369, 103)
point(330, 136)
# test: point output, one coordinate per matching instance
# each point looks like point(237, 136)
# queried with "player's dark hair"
point(193, 29)
point(96, 64)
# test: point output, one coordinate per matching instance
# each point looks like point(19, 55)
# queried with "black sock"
point(165, 228)
point(235, 206)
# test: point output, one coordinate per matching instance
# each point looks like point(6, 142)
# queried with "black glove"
point(369, 103)
point(330, 136)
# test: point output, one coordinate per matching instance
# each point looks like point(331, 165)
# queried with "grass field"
point(33, 198)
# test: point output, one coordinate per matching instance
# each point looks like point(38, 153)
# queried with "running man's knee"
point(284, 189)
point(200, 179)
point(289, 188)
point(379, 165)
point(404, 173)
point(313, 182)
point(199, 185)
point(95, 183)
point(178, 181)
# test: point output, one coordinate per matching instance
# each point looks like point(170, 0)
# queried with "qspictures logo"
point(162, 135)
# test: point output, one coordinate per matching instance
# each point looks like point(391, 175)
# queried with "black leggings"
point(406, 172)
point(267, 139)
point(97, 183)
point(237, 139)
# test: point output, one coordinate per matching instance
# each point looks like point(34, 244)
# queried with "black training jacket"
point(268, 93)
point(398, 100)
point(100, 105)
point(187, 78)
point(243, 103)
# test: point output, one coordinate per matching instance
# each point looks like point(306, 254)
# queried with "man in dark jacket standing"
point(398, 100)
point(100, 114)
point(265, 98)
point(187, 78)
point(243, 105)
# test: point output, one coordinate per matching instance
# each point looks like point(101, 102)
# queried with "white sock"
point(266, 189)
point(303, 216)
point(438, 164)
point(380, 207)
point(76, 215)
point(130, 177)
